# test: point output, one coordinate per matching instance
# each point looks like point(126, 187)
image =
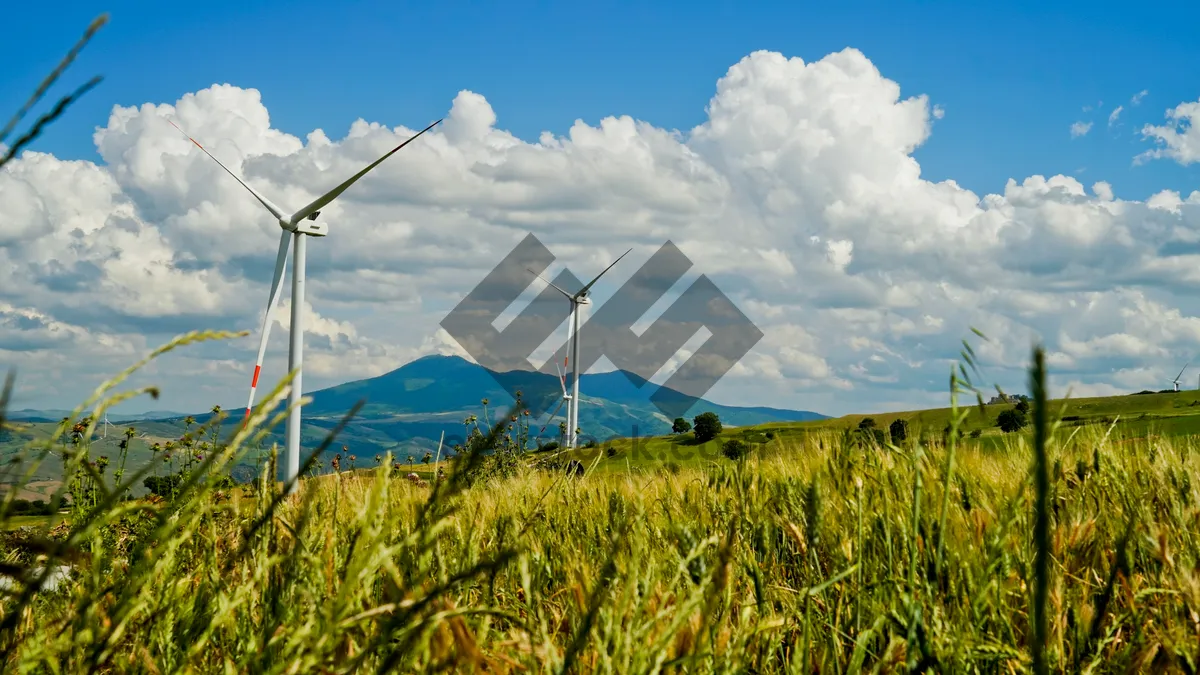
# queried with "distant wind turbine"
point(1176, 380)
point(295, 226)
point(577, 300)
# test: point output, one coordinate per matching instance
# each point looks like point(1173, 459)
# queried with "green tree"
point(735, 449)
point(681, 426)
point(1022, 406)
point(1011, 420)
point(706, 426)
point(899, 431)
point(866, 423)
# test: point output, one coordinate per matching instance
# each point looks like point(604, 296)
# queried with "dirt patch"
point(38, 489)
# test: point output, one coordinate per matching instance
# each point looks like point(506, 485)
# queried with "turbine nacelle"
point(307, 226)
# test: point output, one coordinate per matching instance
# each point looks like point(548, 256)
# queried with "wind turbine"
point(104, 434)
point(577, 300)
point(297, 226)
point(1176, 380)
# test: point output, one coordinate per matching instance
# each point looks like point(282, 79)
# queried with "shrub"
point(735, 449)
point(976, 433)
point(610, 451)
point(866, 423)
point(899, 431)
point(706, 426)
point(1011, 420)
point(681, 426)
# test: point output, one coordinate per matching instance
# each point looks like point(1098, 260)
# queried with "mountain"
point(415, 403)
point(54, 415)
point(408, 409)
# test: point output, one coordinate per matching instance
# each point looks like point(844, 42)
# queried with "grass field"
point(781, 563)
point(1069, 546)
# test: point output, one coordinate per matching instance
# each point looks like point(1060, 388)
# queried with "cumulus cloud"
point(1179, 138)
point(798, 196)
point(1080, 129)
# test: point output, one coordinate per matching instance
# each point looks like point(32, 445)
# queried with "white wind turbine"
point(1176, 380)
point(296, 226)
point(577, 300)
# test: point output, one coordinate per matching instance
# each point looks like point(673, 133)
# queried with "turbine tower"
point(297, 226)
point(1176, 380)
point(577, 300)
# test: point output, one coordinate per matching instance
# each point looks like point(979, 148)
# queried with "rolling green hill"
point(1131, 416)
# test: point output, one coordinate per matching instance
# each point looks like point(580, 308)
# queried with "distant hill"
point(408, 409)
point(54, 415)
point(433, 387)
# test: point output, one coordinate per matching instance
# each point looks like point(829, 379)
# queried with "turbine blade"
point(1183, 369)
point(551, 284)
point(333, 194)
point(261, 199)
point(285, 239)
point(606, 269)
point(562, 380)
point(549, 419)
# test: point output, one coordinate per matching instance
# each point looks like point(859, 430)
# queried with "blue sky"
point(843, 249)
point(1011, 80)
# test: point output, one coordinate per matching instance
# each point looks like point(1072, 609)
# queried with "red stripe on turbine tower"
point(254, 382)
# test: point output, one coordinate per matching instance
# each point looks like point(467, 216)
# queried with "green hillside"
point(1123, 418)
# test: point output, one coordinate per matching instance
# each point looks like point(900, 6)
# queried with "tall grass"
point(1067, 553)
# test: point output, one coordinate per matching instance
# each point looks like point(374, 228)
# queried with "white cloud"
point(1112, 117)
point(1080, 129)
point(798, 195)
point(1137, 98)
point(1179, 138)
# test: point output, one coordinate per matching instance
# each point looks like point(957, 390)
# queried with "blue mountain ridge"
point(408, 409)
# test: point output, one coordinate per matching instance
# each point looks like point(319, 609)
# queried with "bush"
point(735, 449)
point(681, 426)
point(866, 423)
point(770, 435)
point(610, 451)
point(163, 486)
point(899, 431)
point(1011, 420)
point(976, 433)
point(706, 426)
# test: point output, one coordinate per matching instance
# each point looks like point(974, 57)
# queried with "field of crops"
point(1064, 549)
